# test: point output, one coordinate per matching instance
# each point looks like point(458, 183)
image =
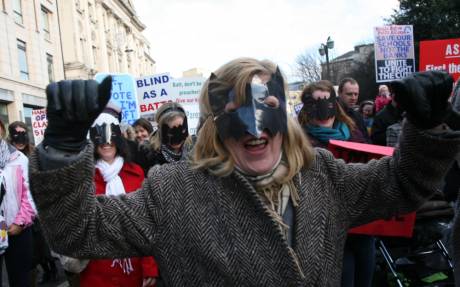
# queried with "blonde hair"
point(324, 86)
point(164, 115)
point(209, 151)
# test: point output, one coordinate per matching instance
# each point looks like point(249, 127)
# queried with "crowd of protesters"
point(246, 202)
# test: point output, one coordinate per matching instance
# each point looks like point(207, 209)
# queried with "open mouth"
point(256, 144)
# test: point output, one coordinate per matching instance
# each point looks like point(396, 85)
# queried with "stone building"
point(30, 56)
point(103, 36)
point(51, 40)
point(344, 64)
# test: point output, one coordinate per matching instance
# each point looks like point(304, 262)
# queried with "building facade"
point(30, 56)
point(50, 40)
point(103, 36)
point(343, 65)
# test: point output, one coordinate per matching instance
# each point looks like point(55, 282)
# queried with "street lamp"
point(324, 50)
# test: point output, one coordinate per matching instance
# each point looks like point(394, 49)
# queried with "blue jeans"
point(358, 261)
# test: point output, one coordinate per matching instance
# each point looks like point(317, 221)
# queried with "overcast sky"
point(184, 34)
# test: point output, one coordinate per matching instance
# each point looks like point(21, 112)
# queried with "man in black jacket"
point(348, 98)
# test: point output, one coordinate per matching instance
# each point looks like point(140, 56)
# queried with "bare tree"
point(307, 67)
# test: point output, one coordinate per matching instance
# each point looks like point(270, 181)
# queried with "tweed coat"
point(205, 230)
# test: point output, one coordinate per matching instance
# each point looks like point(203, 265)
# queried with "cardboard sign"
point(394, 52)
point(152, 92)
point(298, 108)
point(193, 118)
point(441, 55)
point(124, 94)
point(400, 226)
point(187, 91)
point(39, 124)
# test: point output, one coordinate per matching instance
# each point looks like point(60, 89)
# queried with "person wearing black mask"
point(323, 119)
point(19, 137)
point(171, 142)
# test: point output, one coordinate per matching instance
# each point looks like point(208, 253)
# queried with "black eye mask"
point(175, 135)
point(105, 134)
point(320, 109)
point(19, 137)
point(254, 116)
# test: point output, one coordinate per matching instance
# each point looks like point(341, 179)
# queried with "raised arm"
point(75, 221)
point(401, 183)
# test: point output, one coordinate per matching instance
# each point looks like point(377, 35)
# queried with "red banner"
point(441, 55)
point(400, 226)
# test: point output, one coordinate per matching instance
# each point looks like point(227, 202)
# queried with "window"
point(4, 113)
point(49, 61)
point(94, 56)
point(46, 23)
point(17, 10)
point(91, 12)
point(22, 60)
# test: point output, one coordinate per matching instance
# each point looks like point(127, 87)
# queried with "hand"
point(72, 108)
point(14, 229)
point(149, 281)
point(424, 97)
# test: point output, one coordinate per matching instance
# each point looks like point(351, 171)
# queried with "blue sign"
point(124, 94)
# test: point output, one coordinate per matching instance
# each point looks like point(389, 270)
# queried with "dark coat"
point(357, 119)
point(205, 230)
point(386, 117)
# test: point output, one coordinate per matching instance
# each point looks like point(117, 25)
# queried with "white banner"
point(39, 124)
point(394, 52)
point(152, 92)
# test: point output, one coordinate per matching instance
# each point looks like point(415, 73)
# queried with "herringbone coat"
point(210, 231)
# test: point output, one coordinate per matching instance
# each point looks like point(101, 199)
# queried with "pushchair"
point(422, 260)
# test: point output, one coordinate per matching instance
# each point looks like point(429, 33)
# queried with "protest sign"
point(152, 92)
point(39, 124)
point(192, 111)
point(297, 108)
point(401, 225)
point(124, 94)
point(187, 90)
point(441, 55)
point(394, 52)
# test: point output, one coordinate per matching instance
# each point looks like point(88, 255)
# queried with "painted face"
point(175, 132)
point(350, 94)
point(141, 134)
point(264, 108)
point(321, 107)
point(107, 152)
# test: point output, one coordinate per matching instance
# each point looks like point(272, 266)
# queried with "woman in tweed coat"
point(255, 205)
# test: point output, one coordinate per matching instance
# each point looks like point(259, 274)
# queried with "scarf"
point(5, 153)
point(339, 131)
point(114, 185)
point(172, 156)
point(276, 193)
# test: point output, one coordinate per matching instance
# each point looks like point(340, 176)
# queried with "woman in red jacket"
point(115, 175)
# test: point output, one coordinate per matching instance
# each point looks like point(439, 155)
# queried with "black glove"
point(72, 108)
point(424, 97)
